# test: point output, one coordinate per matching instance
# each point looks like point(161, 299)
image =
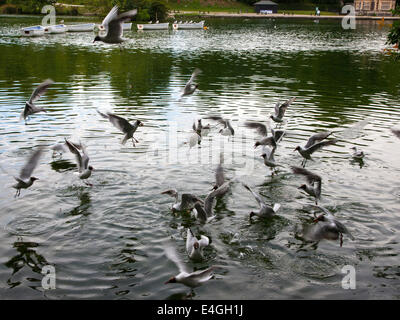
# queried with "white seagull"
point(190, 86)
point(280, 110)
point(194, 247)
point(227, 130)
point(113, 24)
point(25, 179)
point(85, 171)
point(30, 108)
point(357, 154)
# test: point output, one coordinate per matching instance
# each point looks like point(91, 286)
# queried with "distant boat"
point(188, 25)
point(153, 26)
point(83, 27)
point(59, 28)
point(127, 26)
point(34, 31)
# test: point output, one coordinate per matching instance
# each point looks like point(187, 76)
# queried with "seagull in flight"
point(313, 144)
point(30, 107)
point(25, 178)
point(265, 210)
point(263, 131)
point(194, 247)
point(227, 130)
point(123, 125)
point(187, 200)
point(313, 188)
point(85, 171)
point(185, 277)
point(113, 24)
point(280, 110)
point(190, 86)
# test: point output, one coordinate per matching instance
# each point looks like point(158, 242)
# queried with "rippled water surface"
point(107, 241)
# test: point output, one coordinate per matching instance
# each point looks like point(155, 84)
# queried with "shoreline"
point(276, 16)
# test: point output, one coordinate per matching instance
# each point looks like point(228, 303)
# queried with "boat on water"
point(153, 26)
point(58, 28)
point(188, 25)
point(83, 27)
point(34, 31)
point(127, 26)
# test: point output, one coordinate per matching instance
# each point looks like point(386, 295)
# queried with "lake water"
point(107, 241)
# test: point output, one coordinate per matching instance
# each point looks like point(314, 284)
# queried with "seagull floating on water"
point(113, 24)
point(123, 125)
point(187, 200)
point(194, 247)
point(190, 86)
point(329, 227)
point(357, 154)
point(185, 277)
point(314, 182)
point(25, 179)
point(313, 144)
point(280, 110)
point(30, 108)
point(85, 171)
point(265, 210)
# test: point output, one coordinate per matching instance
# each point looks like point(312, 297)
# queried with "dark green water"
point(107, 241)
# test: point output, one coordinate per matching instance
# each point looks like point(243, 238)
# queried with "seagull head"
point(196, 245)
point(34, 179)
point(140, 123)
point(263, 155)
point(303, 187)
point(257, 144)
point(319, 218)
point(97, 38)
point(297, 148)
point(252, 214)
point(172, 280)
point(90, 168)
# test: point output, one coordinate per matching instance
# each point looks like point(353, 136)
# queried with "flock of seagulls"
point(326, 225)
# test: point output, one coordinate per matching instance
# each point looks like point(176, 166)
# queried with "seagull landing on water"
point(268, 152)
point(30, 108)
point(123, 125)
point(194, 247)
point(63, 147)
point(314, 143)
point(263, 131)
point(113, 24)
point(85, 171)
point(265, 210)
point(314, 182)
point(190, 86)
point(329, 227)
point(25, 179)
point(357, 154)
point(185, 277)
point(187, 200)
point(280, 110)
point(227, 130)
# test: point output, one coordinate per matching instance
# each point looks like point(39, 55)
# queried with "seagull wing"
point(172, 255)
point(194, 75)
point(284, 106)
point(85, 156)
point(31, 164)
point(219, 176)
point(40, 90)
point(316, 138)
point(120, 123)
point(115, 28)
point(202, 275)
point(209, 201)
point(256, 196)
point(310, 176)
point(320, 145)
point(110, 16)
point(204, 241)
point(276, 109)
point(77, 154)
point(188, 200)
point(261, 128)
point(190, 240)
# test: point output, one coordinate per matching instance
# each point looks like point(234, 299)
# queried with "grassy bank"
point(209, 6)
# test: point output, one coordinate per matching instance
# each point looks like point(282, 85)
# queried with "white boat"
point(58, 28)
point(127, 26)
point(83, 27)
point(188, 25)
point(34, 31)
point(153, 26)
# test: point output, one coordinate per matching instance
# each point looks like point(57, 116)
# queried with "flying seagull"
point(263, 131)
point(194, 247)
point(265, 210)
point(185, 277)
point(113, 24)
point(227, 130)
point(190, 86)
point(123, 125)
point(25, 178)
point(280, 110)
point(313, 144)
point(30, 108)
point(187, 200)
point(329, 227)
point(85, 171)
point(314, 182)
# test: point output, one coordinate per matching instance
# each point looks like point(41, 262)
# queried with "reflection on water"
point(107, 241)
